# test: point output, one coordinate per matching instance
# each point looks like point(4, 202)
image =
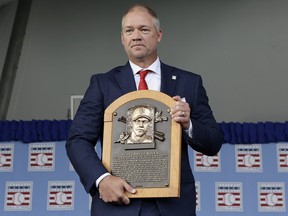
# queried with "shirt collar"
point(155, 67)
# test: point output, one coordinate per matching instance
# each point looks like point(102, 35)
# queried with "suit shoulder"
point(108, 73)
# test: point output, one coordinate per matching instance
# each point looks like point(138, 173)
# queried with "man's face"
point(140, 126)
point(139, 35)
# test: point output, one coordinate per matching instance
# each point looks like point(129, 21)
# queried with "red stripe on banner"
point(278, 193)
point(23, 204)
point(35, 165)
point(56, 204)
point(242, 165)
point(275, 193)
point(12, 193)
point(222, 204)
point(47, 154)
point(276, 205)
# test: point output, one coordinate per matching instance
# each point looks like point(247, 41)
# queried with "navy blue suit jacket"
point(87, 128)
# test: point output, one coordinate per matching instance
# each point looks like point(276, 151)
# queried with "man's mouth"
point(137, 45)
point(140, 130)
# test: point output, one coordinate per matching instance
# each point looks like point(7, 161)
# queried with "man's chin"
point(139, 54)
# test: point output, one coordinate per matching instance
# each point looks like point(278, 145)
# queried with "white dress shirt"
point(153, 78)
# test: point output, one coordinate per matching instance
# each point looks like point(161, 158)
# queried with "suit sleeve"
point(86, 129)
point(207, 137)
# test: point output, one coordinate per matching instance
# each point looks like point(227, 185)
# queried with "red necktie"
point(142, 84)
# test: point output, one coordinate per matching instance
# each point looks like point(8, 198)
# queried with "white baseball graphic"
point(18, 198)
point(249, 160)
point(207, 161)
point(41, 159)
point(2, 160)
point(271, 199)
point(229, 199)
point(60, 198)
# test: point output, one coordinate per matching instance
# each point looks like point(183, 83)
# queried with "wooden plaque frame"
point(173, 187)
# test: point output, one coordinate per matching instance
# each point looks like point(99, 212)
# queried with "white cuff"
point(100, 178)
point(189, 131)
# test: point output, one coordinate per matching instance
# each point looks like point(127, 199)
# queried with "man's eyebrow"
point(141, 26)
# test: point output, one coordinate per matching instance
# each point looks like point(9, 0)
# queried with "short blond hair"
point(156, 20)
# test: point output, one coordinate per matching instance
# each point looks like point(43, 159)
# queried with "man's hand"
point(181, 112)
point(112, 190)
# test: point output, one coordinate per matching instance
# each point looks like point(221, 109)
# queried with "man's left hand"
point(181, 112)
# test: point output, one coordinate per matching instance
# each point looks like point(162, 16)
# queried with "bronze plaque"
point(139, 139)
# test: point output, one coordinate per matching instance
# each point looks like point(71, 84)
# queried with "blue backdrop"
point(248, 177)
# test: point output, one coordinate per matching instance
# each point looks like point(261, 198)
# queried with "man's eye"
point(129, 31)
point(145, 30)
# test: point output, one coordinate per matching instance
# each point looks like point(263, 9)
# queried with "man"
point(140, 123)
point(140, 37)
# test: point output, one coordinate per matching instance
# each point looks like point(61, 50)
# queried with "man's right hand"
point(112, 190)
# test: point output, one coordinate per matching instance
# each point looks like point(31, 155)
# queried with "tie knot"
point(143, 73)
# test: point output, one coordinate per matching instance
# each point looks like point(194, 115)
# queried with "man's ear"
point(160, 34)
point(122, 38)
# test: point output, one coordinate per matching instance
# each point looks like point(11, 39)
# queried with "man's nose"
point(137, 39)
point(136, 36)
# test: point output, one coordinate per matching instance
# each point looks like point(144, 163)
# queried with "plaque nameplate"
point(142, 144)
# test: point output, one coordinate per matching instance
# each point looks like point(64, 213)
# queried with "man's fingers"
point(177, 98)
point(180, 108)
point(180, 112)
point(129, 188)
point(125, 200)
point(112, 190)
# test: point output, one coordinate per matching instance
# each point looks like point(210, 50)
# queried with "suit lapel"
point(168, 80)
point(125, 78)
